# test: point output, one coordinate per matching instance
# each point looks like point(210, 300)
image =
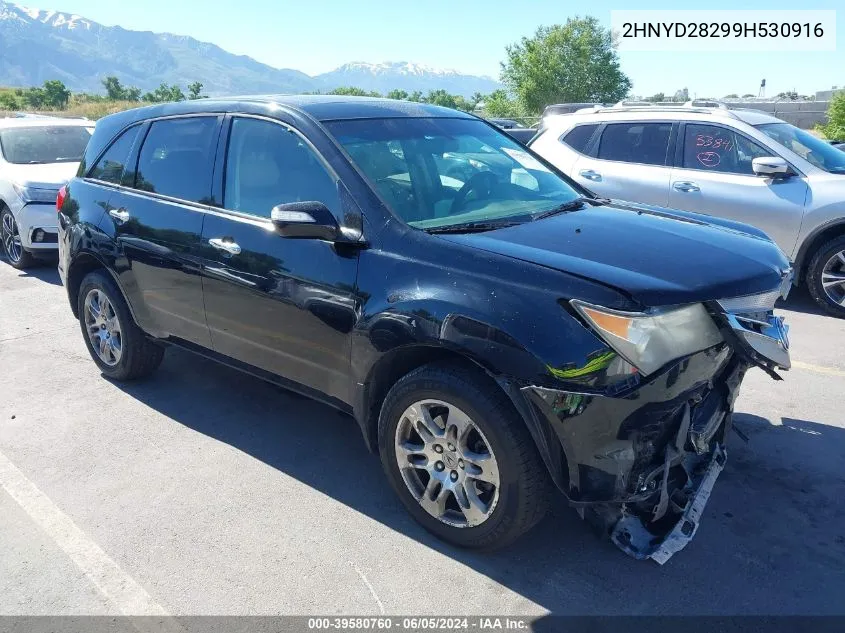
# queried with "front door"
point(284, 305)
point(713, 175)
point(158, 217)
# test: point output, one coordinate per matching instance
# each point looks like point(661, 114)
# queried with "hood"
point(47, 176)
point(654, 256)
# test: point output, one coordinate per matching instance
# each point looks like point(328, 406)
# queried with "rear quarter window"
point(578, 138)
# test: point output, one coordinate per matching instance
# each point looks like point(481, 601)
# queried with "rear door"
point(713, 175)
point(281, 304)
point(157, 218)
point(628, 161)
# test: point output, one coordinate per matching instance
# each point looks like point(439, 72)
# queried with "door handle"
point(121, 215)
point(686, 187)
point(589, 174)
point(224, 244)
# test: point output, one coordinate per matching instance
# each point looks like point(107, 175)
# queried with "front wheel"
point(11, 239)
point(460, 458)
point(826, 277)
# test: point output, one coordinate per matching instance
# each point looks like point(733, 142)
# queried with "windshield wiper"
point(572, 205)
point(471, 227)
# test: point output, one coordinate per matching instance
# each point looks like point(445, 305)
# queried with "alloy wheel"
point(11, 238)
point(447, 463)
point(103, 327)
point(833, 278)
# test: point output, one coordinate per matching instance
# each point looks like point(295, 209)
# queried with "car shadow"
point(799, 300)
point(772, 540)
point(44, 270)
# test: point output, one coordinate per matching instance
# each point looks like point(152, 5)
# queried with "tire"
point(828, 264)
point(11, 240)
point(519, 500)
point(129, 354)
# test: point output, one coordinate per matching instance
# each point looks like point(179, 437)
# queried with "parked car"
point(741, 165)
point(38, 155)
point(506, 124)
point(491, 337)
point(522, 134)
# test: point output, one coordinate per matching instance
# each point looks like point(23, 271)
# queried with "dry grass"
point(91, 110)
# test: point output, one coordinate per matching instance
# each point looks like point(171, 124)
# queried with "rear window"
point(44, 144)
point(579, 137)
point(644, 143)
point(176, 158)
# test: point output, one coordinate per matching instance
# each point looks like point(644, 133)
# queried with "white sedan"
point(37, 157)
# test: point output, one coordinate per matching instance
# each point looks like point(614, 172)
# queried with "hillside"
point(37, 45)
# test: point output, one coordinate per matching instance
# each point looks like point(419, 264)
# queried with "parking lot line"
point(819, 369)
point(115, 584)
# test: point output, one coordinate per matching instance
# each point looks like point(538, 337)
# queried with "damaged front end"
point(640, 464)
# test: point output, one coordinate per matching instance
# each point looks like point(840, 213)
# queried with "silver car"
point(742, 165)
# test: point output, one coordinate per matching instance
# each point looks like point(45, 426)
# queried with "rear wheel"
point(460, 459)
point(11, 238)
point(117, 345)
point(826, 277)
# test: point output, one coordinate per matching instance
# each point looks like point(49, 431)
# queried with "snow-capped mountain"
point(38, 44)
point(52, 18)
point(406, 76)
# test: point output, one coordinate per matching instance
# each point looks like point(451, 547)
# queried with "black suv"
point(495, 337)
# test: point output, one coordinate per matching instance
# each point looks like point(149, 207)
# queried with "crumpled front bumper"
point(633, 538)
point(641, 466)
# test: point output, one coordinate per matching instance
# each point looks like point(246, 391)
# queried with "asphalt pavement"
point(205, 491)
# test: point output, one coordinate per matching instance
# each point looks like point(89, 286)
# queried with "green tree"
point(748, 95)
point(416, 96)
point(656, 98)
point(834, 129)
point(400, 95)
point(573, 62)
point(132, 94)
point(56, 94)
point(442, 98)
point(733, 95)
point(499, 104)
point(476, 98)
point(34, 98)
point(165, 93)
point(113, 88)
point(352, 91)
point(194, 90)
point(9, 101)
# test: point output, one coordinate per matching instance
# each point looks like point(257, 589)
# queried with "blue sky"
point(467, 35)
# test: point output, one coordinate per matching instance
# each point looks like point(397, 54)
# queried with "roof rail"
point(706, 103)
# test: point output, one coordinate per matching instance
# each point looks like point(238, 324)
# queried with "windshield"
point(812, 149)
point(436, 172)
point(44, 144)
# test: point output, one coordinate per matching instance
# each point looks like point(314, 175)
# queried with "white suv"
point(37, 156)
point(742, 165)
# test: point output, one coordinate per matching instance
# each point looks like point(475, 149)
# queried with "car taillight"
point(60, 199)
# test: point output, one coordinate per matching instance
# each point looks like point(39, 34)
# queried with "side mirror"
point(305, 220)
point(771, 167)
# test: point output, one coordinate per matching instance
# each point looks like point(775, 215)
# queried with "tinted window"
point(44, 144)
point(578, 137)
point(111, 164)
point(635, 142)
point(713, 148)
point(177, 158)
point(437, 172)
point(267, 165)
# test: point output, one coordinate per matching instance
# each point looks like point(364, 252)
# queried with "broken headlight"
point(650, 340)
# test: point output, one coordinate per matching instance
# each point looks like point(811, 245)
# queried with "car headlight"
point(650, 340)
point(31, 194)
